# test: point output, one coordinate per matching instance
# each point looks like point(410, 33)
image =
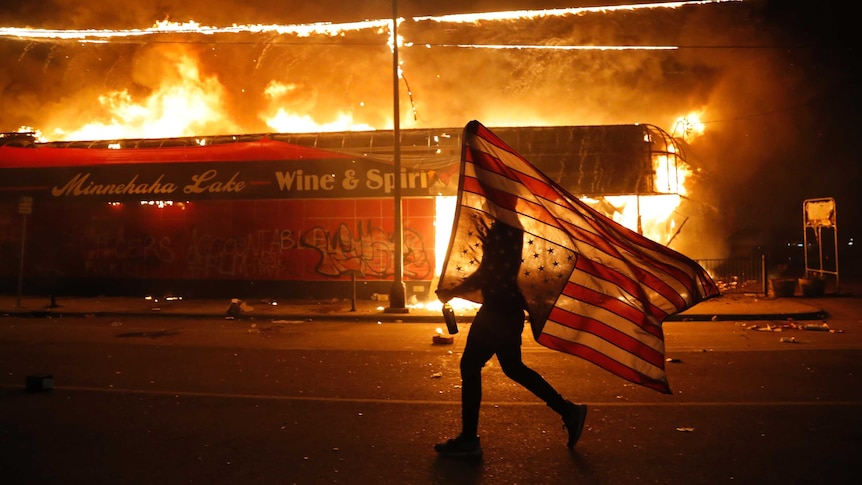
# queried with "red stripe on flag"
point(604, 362)
point(612, 278)
point(644, 277)
point(503, 199)
point(612, 335)
point(613, 304)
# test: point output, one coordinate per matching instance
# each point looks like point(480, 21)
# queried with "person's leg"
point(477, 351)
point(509, 355)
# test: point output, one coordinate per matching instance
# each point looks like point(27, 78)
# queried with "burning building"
point(301, 215)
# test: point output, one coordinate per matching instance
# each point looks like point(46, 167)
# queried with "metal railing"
point(738, 275)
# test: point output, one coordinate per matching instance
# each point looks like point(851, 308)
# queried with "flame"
point(558, 12)
point(459, 305)
point(283, 121)
point(190, 27)
point(184, 104)
point(37, 135)
point(650, 215)
point(321, 28)
point(653, 216)
point(192, 104)
point(669, 177)
point(689, 127)
point(286, 122)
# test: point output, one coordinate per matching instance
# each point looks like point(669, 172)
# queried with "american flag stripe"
point(534, 217)
point(627, 287)
point(644, 376)
point(607, 326)
point(594, 288)
point(623, 312)
point(653, 366)
point(614, 258)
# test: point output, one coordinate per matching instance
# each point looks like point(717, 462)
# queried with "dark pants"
point(497, 331)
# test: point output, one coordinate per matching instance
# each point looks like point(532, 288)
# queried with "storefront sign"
point(289, 179)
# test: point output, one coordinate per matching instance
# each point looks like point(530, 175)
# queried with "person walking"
point(496, 330)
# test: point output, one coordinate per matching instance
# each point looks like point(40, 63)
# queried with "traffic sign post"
point(25, 208)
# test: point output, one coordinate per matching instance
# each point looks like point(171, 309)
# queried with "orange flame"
point(283, 121)
point(689, 127)
point(191, 104)
point(184, 104)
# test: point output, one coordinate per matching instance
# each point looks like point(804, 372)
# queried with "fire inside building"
point(291, 215)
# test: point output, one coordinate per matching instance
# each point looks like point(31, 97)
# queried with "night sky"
point(776, 81)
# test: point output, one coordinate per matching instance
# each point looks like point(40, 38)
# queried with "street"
point(173, 400)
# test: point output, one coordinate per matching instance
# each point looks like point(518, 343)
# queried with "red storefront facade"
point(261, 218)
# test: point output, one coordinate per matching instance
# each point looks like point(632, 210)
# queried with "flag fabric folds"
point(594, 289)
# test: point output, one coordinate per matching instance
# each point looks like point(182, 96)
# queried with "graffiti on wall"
point(236, 241)
point(118, 254)
point(263, 254)
point(255, 255)
point(370, 252)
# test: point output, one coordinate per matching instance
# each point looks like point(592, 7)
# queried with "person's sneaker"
point(573, 421)
point(460, 447)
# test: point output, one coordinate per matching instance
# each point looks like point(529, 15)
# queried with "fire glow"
point(188, 100)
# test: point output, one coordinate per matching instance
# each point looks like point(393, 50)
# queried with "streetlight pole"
point(397, 295)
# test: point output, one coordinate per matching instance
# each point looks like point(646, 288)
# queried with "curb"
point(349, 317)
point(375, 317)
point(812, 315)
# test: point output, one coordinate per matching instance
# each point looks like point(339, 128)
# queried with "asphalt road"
point(165, 401)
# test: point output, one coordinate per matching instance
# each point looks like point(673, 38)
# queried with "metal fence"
point(737, 275)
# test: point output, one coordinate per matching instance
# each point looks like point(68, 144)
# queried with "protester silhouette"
point(497, 329)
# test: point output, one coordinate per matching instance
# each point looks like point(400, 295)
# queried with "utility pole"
point(397, 295)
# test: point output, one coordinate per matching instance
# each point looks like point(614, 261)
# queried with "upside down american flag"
point(594, 288)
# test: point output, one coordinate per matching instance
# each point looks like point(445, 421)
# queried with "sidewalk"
point(725, 307)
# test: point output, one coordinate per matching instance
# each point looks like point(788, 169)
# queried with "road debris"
point(773, 327)
point(238, 307)
point(440, 339)
point(40, 382)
